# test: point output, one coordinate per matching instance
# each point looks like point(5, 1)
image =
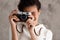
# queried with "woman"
point(36, 31)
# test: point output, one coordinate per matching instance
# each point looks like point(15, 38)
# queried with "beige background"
point(50, 16)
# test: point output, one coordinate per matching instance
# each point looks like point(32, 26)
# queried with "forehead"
point(31, 9)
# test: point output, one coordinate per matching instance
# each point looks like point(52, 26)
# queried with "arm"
point(31, 23)
point(33, 35)
point(14, 32)
point(13, 24)
point(31, 27)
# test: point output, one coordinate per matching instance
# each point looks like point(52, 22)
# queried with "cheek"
point(35, 17)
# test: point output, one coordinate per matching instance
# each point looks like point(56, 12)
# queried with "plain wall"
point(50, 16)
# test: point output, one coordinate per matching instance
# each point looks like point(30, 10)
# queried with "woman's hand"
point(12, 18)
point(30, 25)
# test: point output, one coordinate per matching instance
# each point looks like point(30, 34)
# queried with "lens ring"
point(23, 17)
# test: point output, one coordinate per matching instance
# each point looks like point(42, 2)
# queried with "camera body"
point(23, 16)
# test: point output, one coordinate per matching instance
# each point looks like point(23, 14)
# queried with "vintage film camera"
point(23, 16)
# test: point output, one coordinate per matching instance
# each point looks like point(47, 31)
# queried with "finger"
point(29, 22)
point(31, 17)
point(14, 18)
point(13, 12)
point(29, 25)
point(17, 19)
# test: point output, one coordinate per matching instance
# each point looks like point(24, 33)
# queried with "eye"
point(33, 13)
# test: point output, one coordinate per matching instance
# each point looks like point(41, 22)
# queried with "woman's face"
point(35, 12)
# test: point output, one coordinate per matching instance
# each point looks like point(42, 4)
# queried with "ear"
point(39, 12)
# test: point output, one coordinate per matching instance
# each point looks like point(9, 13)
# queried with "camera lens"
point(23, 17)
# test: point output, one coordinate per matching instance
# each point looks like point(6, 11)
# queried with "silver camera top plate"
point(29, 13)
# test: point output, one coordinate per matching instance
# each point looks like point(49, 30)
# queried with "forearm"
point(33, 36)
point(14, 33)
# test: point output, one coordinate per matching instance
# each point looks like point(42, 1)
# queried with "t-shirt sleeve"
point(49, 35)
point(45, 35)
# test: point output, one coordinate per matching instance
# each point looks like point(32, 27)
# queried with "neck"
point(37, 23)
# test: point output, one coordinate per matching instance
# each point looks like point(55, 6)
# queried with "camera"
point(23, 16)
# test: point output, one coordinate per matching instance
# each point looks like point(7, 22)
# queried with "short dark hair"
point(26, 3)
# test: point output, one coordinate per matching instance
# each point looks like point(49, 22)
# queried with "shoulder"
point(46, 31)
point(49, 33)
point(43, 29)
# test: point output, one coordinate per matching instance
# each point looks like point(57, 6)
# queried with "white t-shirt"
point(45, 34)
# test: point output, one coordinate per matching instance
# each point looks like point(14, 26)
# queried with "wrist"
point(33, 37)
point(13, 24)
point(13, 27)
